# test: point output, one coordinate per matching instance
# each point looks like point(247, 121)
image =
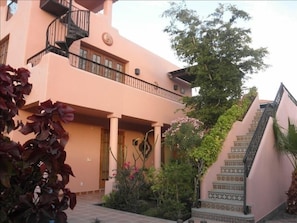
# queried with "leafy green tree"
point(287, 143)
point(219, 56)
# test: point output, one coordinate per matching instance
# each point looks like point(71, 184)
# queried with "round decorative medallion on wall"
point(107, 39)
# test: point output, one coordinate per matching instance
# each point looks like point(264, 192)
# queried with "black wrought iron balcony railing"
point(109, 73)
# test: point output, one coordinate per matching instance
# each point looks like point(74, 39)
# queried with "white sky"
point(273, 25)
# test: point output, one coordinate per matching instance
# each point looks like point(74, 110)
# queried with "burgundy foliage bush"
point(33, 175)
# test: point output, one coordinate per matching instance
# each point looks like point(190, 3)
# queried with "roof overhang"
point(182, 74)
point(93, 5)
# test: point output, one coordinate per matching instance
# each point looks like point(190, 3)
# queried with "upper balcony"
point(55, 7)
point(108, 73)
point(92, 5)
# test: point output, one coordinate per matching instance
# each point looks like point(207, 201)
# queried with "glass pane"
point(82, 62)
point(107, 72)
point(95, 65)
point(119, 76)
point(3, 50)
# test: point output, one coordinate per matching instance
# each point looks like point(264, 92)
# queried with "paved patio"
point(86, 211)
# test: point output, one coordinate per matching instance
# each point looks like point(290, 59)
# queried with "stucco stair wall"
point(225, 199)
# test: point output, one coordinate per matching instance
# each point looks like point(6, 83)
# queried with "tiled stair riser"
point(232, 169)
point(238, 149)
point(222, 218)
point(233, 162)
point(236, 155)
point(222, 206)
point(228, 186)
point(230, 177)
point(226, 195)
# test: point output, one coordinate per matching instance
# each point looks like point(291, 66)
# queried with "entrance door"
point(104, 156)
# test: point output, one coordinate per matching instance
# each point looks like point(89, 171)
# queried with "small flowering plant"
point(184, 134)
point(131, 186)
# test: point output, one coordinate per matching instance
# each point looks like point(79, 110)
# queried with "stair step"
point(224, 205)
point(77, 32)
point(242, 143)
point(236, 155)
point(200, 220)
point(233, 169)
point(222, 216)
point(238, 149)
point(230, 177)
point(246, 137)
point(234, 162)
point(229, 195)
point(228, 185)
point(62, 45)
point(66, 44)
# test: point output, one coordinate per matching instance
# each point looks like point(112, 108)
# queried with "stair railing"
point(58, 31)
point(252, 149)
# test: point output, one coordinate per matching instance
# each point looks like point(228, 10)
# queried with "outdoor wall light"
point(175, 87)
point(137, 71)
point(134, 142)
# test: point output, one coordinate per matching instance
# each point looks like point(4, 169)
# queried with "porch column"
point(113, 145)
point(157, 142)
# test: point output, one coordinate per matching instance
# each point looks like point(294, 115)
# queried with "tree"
point(287, 143)
point(218, 54)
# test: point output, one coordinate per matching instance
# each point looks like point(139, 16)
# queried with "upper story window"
point(12, 6)
point(99, 63)
point(3, 50)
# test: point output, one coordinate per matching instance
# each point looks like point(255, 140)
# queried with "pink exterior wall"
point(270, 176)
point(238, 128)
point(83, 154)
point(93, 96)
point(64, 83)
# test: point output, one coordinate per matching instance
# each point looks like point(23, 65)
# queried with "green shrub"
point(131, 189)
point(173, 189)
point(207, 153)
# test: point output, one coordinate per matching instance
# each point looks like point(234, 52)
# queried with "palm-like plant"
point(287, 143)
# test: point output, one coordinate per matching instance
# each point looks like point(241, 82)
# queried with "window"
point(3, 50)
point(82, 62)
point(99, 63)
point(12, 6)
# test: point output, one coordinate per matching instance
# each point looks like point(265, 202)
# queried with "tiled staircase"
point(225, 200)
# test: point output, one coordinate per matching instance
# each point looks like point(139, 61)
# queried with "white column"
point(157, 141)
point(113, 145)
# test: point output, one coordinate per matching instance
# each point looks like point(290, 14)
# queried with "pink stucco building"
point(120, 91)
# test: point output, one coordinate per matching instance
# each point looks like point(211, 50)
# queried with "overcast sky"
point(273, 25)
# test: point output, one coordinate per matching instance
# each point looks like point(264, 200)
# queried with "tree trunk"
point(292, 195)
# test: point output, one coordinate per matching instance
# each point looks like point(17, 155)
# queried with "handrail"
point(57, 31)
point(115, 75)
point(252, 149)
point(36, 58)
point(107, 72)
